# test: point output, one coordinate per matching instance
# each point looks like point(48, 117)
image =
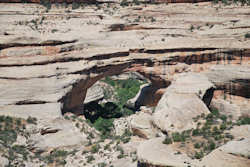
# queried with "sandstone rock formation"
point(67, 63)
point(51, 58)
point(181, 102)
point(58, 133)
point(141, 125)
point(94, 93)
point(153, 153)
point(224, 156)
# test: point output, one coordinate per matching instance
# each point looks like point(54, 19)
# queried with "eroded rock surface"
point(50, 58)
point(181, 102)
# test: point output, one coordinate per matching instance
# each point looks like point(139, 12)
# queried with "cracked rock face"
point(181, 102)
point(51, 59)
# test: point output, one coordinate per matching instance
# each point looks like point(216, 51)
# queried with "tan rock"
point(60, 133)
point(181, 103)
point(141, 125)
point(223, 156)
point(154, 153)
point(3, 161)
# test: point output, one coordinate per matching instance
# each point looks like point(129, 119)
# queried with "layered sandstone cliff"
point(49, 59)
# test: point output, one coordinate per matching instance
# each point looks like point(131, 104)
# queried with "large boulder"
point(181, 102)
point(240, 148)
point(3, 161)
point(234, 153)
point(58, 133)
point(154, 153)
point(240, 132)
point(94, 93)
point(141, 125)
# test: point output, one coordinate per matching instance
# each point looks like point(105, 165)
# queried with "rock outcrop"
point(50, 74)
point(94, 93)
point(56, 134)
point(51, 57)
point(181, 102)
point(231, 154)
point(154, 153)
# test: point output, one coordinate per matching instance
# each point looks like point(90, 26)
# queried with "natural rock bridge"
point(46, 72)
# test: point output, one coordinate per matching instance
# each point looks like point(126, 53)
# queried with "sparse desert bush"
point(90, 158)
point(167, 140)
point(247, 35)
point(32, 120)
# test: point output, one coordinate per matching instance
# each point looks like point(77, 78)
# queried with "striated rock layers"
point(192, 54)
point(46, 72)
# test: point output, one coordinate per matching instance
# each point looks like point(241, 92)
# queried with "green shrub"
point(218, 137)
point(107, 146)
point(223, 126)
point(103, 125)
point(136, 2)
point(177, 137)
point(124, 3)
point(229, 136)
point(223, 118)
point(120, 156)
point(197, 145)
point(153, 19)
point(167, 140)
point(191, 28)
point(90, 158)
point(102, 164)
point(198, 155)
point(95, 148)
point(196, 132)
point(243, 120)
point(247, 35)
point(32, 120)
point(215, 111)
point(21, 150)
point(212, 145)
point(8, 136)
point(75, 5)
point(59, 153)
point(46, 3)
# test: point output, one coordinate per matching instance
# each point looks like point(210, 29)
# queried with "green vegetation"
point(247, 35)
point(198, 155)
point(125, 138)
point(103, 164)
point(167, 140)
point(57, 157)
point(229, 2)
point(121, 155)
point(197, 145)
point(90, 158)
point(209, 134)
point(243, 120)
point(126, 89)
point(102, 116)
point(124, 3)
point(32, 120)
point(191, 28)
point(95, 148)
point(103, 125)
point(10, 128)
point(177, 137)
point(136, 2)
point(46, 4)
point(75, 5)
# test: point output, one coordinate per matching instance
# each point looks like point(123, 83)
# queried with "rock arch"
point(46, 85)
